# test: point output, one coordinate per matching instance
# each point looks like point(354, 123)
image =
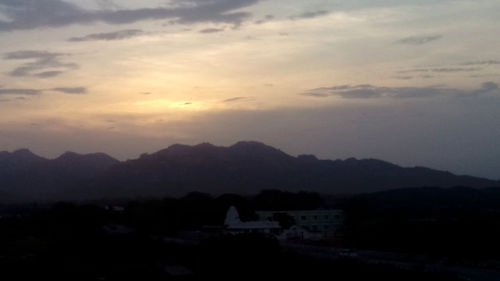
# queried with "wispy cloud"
point(419, 40)
point(29, 14)
point(48, 74)
point(456, 69)
point(18, 98)
point(33, 92)
point(401, 77)
point(486, 88)
point(74, 91)
point(370, 91)
point(265, 19)
point(109, 36)
point(42, 64)
point(483, 62)
point(22, 92)
point(235, 99)
point(441, 69)
point(310, 15)
point(211, 30)
point(476, 68)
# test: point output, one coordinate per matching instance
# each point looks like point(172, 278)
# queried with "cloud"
point(74, 91)
point(442, 69)
point(486, 88)
point(315, 94)
point(21, 92)
point(28, 14)
point(34, 92)
point(265, 19)
point(370, 91)
point(456, 69)
point(235, 99)
point(401, 77)
point(19, 98)
point(48, 74)
point(310, 15)
point(107, 5)
point(461, 67)
point(484, 62)
point(489, 86)
point(211, 30)
point(20, 55)
point(419, 40)
point(42, 64)
point(109, 36)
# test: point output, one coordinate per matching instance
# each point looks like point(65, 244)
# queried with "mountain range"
point(243, 168)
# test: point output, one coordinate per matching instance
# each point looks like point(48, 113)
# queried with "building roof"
point(234, 222)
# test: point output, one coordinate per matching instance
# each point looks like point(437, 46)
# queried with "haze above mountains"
point(243, 168)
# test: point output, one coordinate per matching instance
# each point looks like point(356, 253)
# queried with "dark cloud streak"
point(42, 64)
point(370, 91)
point(419, 40)
point(484, 62)
point(34, 92)
point(27, 14)
point(235, 99)
point(266, 18)
point(48, 74)
point(449, 70)
point(310, 15)
point(403, 77)
point(21, 92)
point(211, 30)
point(72, 91)
point(442, 70)
point(109, 36)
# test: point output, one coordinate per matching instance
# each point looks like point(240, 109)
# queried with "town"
point(277, 233)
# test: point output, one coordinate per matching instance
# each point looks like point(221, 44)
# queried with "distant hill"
point(244, 168)
point(24, 175)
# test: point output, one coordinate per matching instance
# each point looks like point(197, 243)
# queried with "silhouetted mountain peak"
point(251, 144)
point(370, 162)
point(307, 158)
point(23, 152)
point(94, 160)
point(25, 155)
point(243, 147)
point(254, 147)
point(182, 150)
point(205, 145)
point(351, 160)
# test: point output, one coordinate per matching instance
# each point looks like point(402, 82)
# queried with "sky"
point(415, 83)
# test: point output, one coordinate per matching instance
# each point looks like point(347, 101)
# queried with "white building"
point(309, 224)
point(233, 224)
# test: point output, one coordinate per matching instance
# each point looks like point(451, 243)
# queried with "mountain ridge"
point(244, 167)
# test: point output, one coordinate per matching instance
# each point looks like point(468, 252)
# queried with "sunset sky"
point(411, 82)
